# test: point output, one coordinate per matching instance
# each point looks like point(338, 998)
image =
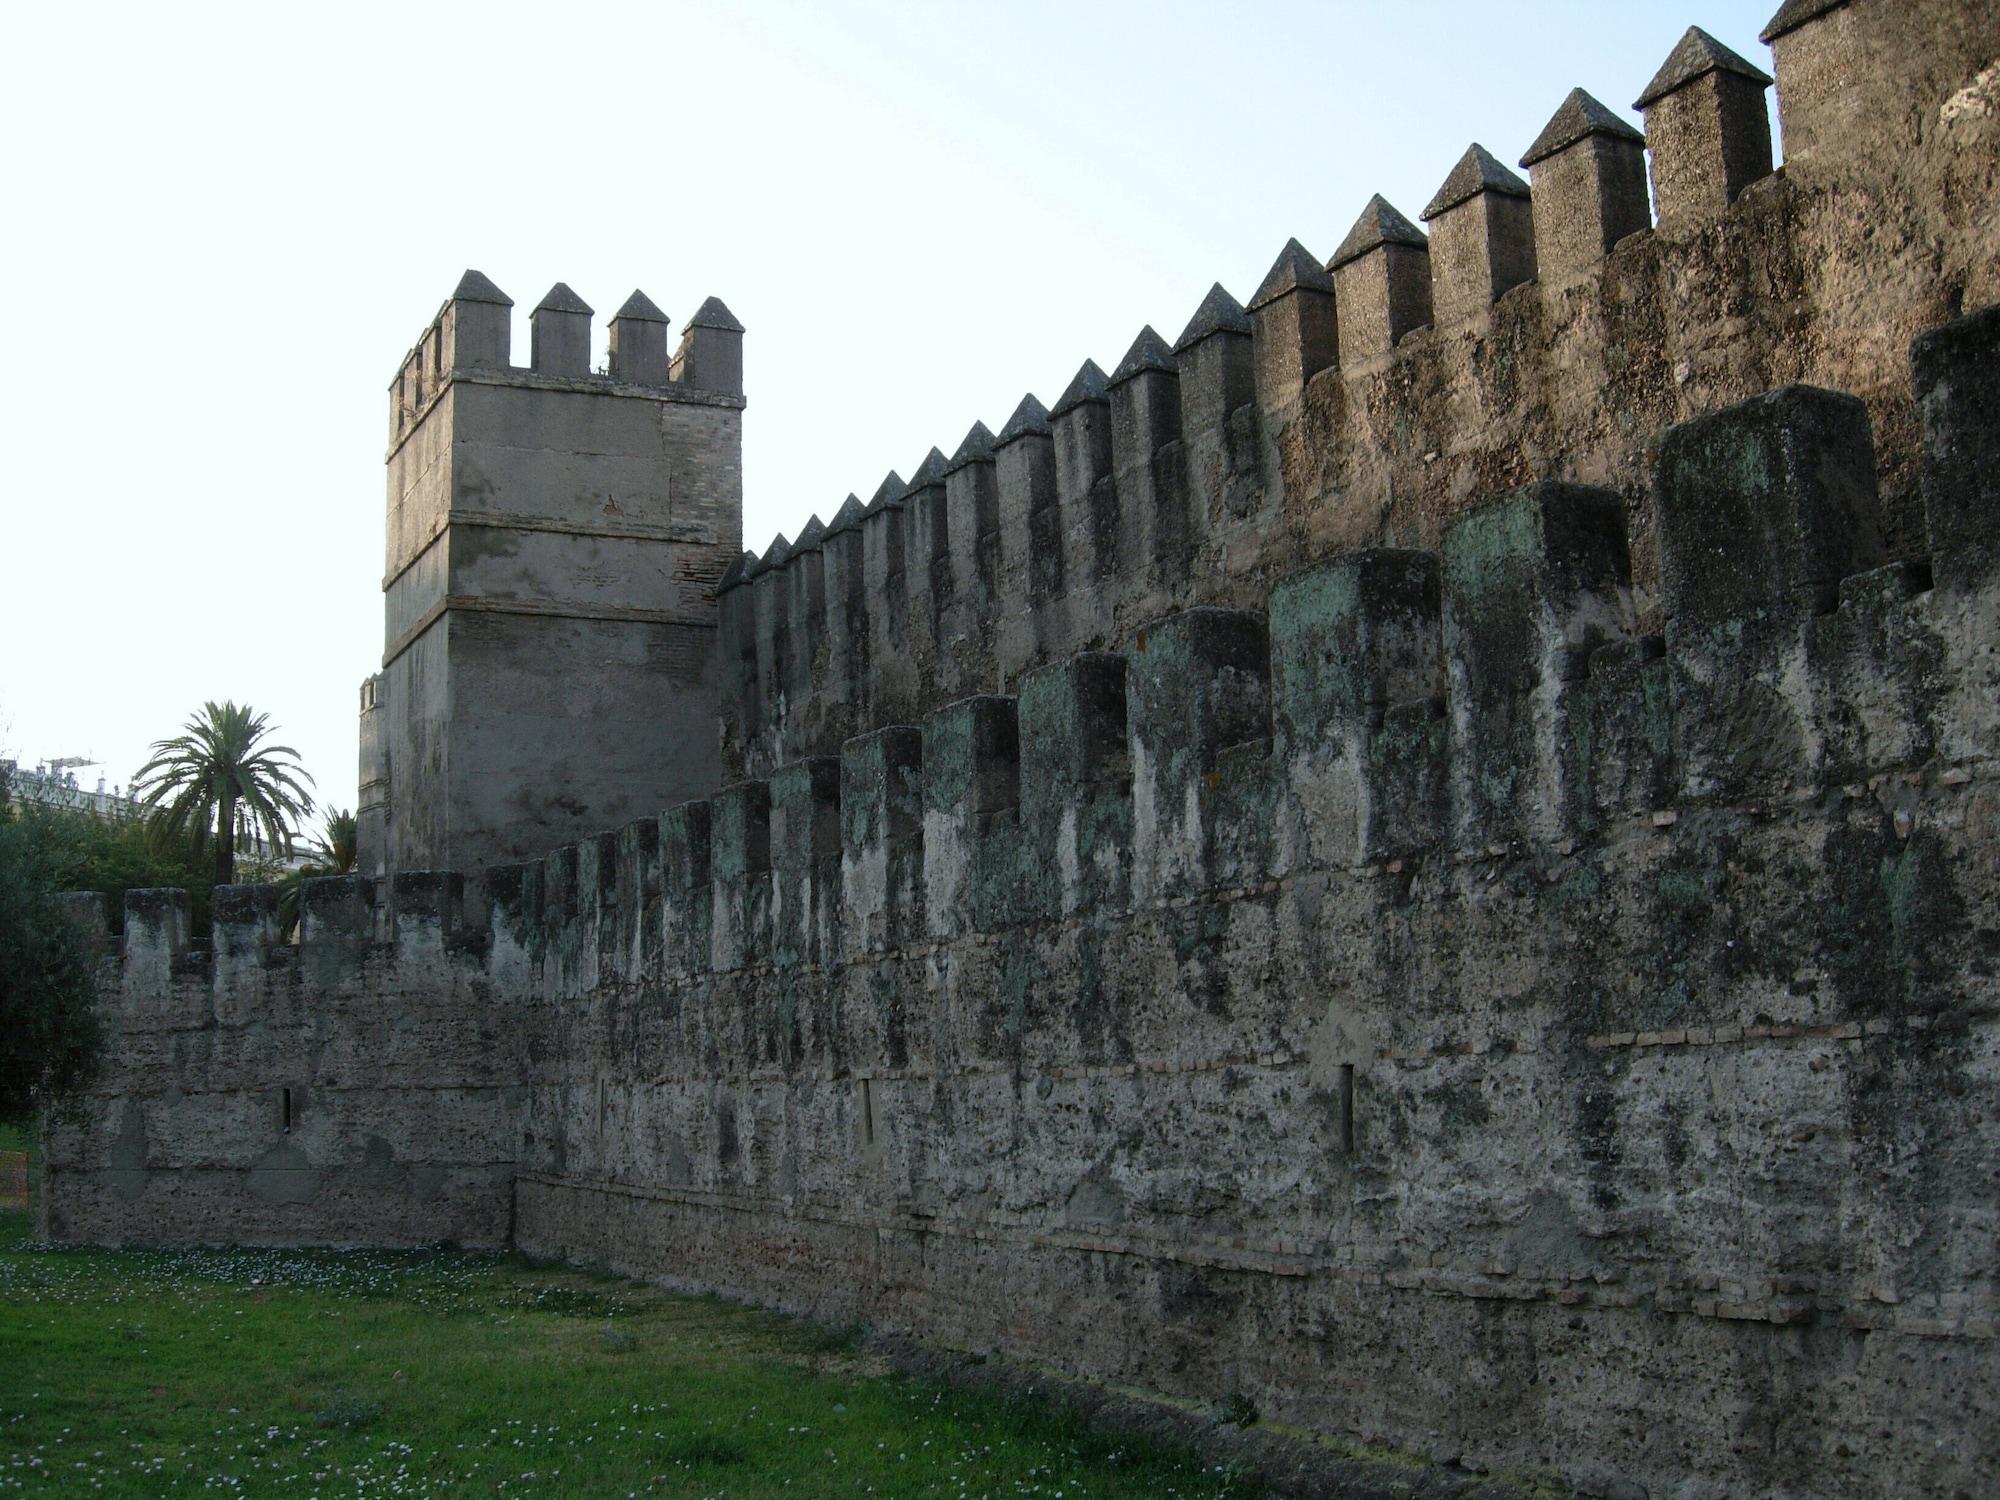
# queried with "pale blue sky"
point(229, 223)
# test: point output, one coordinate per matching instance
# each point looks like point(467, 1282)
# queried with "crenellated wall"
point(360, 1084)
point(1501, 961)
point(1544, 329)
point(1436, 1004)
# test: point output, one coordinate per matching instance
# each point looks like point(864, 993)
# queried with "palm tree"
point(220, 780)
point(335, 852)
point(339, 847)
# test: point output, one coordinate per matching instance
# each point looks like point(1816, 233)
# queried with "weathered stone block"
point(881, 839)
point(336, 911)
point(1958, 389)
point(687, 891)
point(426, 909)
point(1532, 584)
point(805, 860)
point(1351, 640)
point(1761, 510)
point(740, 871)
point(1765, 507)
point(972, 778)
point(244, 918)
point(1624, 723)
point(1197, 684)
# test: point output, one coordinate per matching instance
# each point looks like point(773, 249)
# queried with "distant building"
point(58, 788)
point(47, 786)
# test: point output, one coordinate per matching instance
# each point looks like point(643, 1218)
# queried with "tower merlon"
point(1030, 419)
point(710, 357)
point(1216, 362)
point(1145, 400)
point(559, 334)
point(639, 352)
point(1295, 325)
point(890, 492)
point(1708, 127)
point(1382, 281)
point(476, 324)
point(1588, 170)
point(1482, 236)
point(1081, 425)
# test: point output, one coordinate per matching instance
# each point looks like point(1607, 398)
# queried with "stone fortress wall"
point(1526, 999)
point(1544, 334)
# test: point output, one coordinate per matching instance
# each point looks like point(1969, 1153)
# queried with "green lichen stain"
point(1580, 886)
point(788, 1020)
point(949, 769)
point(1314, 651)
point(1090, 1012)
point(1926, 913)
point(886, 994)
point(1017, 976)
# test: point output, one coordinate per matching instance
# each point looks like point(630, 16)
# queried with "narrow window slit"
point(1347, 1108)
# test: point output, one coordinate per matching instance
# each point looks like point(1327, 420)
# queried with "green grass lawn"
point(265, 1372)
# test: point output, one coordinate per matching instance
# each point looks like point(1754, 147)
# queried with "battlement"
point(1545, 328)
point(472, 336)
point(1498, 698)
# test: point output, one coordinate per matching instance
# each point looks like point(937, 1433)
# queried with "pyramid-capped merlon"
point(810, 538)
point(1030, 419)
point(1148, 352)
point(712, 314)
point(1380, 224)
point(1219, 313)
point(1578, 116)
point(1478, 171)
point(1088, 386)
point(977, 448)
point(474, 287)
point(776, 555)
point(561, 299)
point(1295, 270)
point(930, 472)
point(737, 571)
point(848, 517)
point(891, 491)
point(639, 308)
point(1793, 14)
point(1694, 55)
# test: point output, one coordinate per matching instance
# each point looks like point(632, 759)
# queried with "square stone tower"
point(555, 537)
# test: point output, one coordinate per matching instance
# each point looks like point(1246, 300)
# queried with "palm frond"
point(219, 761)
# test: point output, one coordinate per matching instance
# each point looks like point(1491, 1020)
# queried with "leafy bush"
point(49, 1035)
point(80, 851)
